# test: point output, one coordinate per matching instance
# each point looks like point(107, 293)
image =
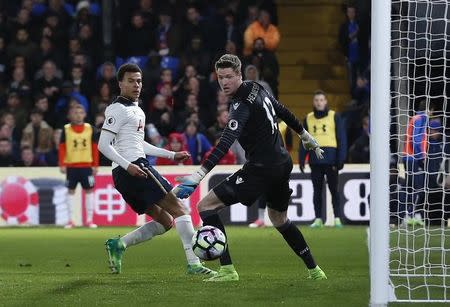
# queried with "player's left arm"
point(152, 150)
point(292, 121)
point(237, 120)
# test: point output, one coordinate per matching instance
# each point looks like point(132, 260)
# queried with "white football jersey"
point(127, 120)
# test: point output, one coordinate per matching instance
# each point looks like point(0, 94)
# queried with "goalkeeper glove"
point(310, 143)
point(188, 184)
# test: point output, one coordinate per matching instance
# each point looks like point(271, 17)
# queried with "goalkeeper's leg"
point(208, 208)
point(293, 236)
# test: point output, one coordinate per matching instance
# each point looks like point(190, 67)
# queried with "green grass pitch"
point(59, 267)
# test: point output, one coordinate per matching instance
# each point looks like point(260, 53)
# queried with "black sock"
point(297, 242)
point(210, 217)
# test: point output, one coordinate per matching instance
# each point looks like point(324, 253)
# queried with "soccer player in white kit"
point(142, 187)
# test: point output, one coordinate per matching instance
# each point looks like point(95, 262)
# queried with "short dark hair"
point(229, 61)
point(319, 92)
point(127, 67)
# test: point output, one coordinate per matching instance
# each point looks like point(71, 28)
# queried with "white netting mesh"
point(419, 235)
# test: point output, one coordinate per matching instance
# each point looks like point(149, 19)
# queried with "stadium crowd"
point(53, 54)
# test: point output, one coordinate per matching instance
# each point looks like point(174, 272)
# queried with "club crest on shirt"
point(110, 121)
point(233, 124)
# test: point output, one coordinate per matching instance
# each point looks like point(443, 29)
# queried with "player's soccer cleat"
point(317, 224)
point(414, 221)
point(257, 224)
point(115, 250)
point(338, 223)
point(317, 274)
point(226, 273)
point(69, 225)
point(200, 269)
point(91, 225)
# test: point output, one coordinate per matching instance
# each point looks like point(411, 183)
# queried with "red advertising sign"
point(111, 210)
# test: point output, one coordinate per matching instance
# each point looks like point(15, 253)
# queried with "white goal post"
point(410, 154)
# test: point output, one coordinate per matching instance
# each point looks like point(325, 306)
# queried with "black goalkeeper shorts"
point(249, 183)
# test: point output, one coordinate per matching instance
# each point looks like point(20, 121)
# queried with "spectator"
point(138, 40)
point(349, 42)
point(7, 132)
point(148, 14)
point(80, 81)
point(108, 74)
point(101, 99)
point(28, 159)
point(21, 86)
point(264, 29)
point(359, 151)
point(197, 143)
point(266, 63)
point(176, 142)
point(89, 44)
point(38, 135)
point(48, 52)
point(55, 30)
point(22, 45)
point(67, 94)
point(6, 155)
point(214, 132)
point(252, 73)
point(161, 115)
point(8, 119)
point(168, 36)
point(195, 26)
point(49, 83)
point(14, 106)
point(52, 155)
point(233, 31)
point(221, 100)
point(41, 104)
point(197, 56)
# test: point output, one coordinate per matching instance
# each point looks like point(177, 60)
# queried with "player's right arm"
point(114, 120)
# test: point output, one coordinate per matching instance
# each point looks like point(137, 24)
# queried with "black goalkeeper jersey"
point(253, 117)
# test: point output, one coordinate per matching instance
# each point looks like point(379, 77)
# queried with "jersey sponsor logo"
point(236, 105)
point(233, 124)
point(239, 180)
point(110, 121)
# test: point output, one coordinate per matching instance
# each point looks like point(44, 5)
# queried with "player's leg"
point(87, 183)
point(71, 184)
point(317, 177)
point(259, 222)
point(185, 230)
point(278, 195)
point(162, 221)
point(332, 180)
point(293, 236)
point(208, 208)
point(418, 195)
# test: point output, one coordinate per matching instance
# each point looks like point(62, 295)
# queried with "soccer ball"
point(208, 243)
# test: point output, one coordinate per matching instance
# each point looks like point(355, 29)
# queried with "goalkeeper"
point(253, 122)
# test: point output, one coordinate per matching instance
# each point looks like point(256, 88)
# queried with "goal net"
point(419, 238)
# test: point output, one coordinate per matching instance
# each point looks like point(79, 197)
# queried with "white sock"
point(185, 230)
point(89, 207)
point(70, 203)
point(261, 213)
point(143, 233)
